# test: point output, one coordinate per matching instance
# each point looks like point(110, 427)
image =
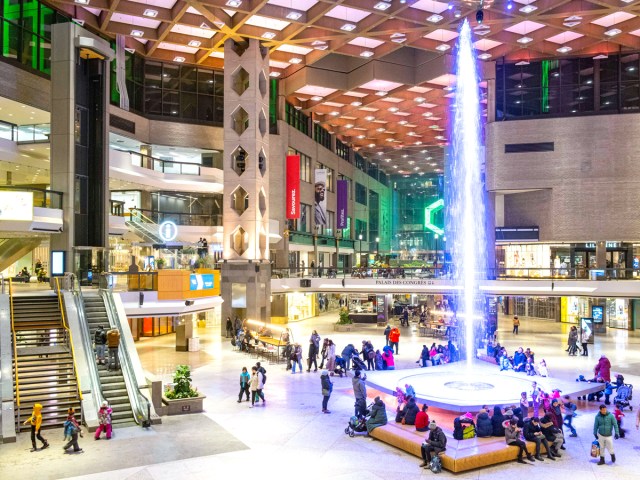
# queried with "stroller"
point(358, 423)
point(357, 363)
point(623, 396)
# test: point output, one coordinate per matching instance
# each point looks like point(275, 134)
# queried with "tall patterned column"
point(246, 272)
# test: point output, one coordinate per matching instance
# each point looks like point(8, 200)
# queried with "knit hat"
point(325, 372)
point(468, 415)
point(105, 404)
point(432, 425)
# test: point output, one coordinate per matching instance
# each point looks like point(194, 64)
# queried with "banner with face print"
point(320, 201)
point(292, 200)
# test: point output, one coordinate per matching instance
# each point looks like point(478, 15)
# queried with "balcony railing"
point(8, 131)
point(306, 238)
point(41, 197)
point(187, 219)
point(164, 166)
point(37, 133)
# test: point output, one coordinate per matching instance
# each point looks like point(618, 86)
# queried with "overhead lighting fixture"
point(571, 24)
point(295, 60)
point(419, 99)
point(522, 63)
point(524, 40)
point(293, 15)
point(457, 14)
point(268, 35)
point(443, 47)
point(435, 18)
point(367, 54)
point(82, 2)
point(178, 59)
point(369, 118)
point(403, 122)
point(427, 114)
point(382, 6)
point(348, 27)
point(381, 129)
point(613, 32)
point(194, 43)
point(482, 30)
point(393, 109)
point(528, 9)
point(206, 26)
point(335, 113)
point(601, 56)
point(381, 93)
point(479, 16)
point(137, 33)
point(356, 104)
point(297, 107)
point(349, 125)
point(565, 49)
point(149, 12)
point(233, 3)
point(484, 56)
point(398, 37)
point(275, 74)
point(509, 5)
point(316, 98)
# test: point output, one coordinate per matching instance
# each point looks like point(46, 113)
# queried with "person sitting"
point(519, 361)
point(407, 416)
point(400, 396)
point(553, 434)
point(512, 437)
point(422, 419)
point(435, 443)
point(484, 424)
point(497, 422)
point(378, 415)
point(504, 362)
point(464, 427)
point(379, 360)
point(530, 367)
point(388, 361)
point(533, 433)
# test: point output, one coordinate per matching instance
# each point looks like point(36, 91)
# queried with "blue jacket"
point(245, 379)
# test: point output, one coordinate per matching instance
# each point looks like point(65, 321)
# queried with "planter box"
point(183, 406)
point(342, 328)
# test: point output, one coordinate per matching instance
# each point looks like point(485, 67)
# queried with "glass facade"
point(568, 87)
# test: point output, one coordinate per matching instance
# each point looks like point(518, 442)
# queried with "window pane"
point(152, 74)
point(171, 76)
point(153, 101)
point(188, 105)
point(188, 81)
point(205, 81)
point(170, 103)
point(205, 108)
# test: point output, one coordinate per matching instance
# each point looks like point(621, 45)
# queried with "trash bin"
point(194, 344)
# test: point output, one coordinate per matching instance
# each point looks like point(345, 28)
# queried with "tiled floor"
point(291, 437)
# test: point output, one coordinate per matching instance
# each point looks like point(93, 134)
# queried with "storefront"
point(164, 325)
point(608, 312)
point(301, 306)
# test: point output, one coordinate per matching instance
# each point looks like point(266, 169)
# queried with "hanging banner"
point(292, 206)
point(343, 200)
point(320, 202)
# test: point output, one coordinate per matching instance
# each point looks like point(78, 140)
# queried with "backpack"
point(100, 337)
point(469, 432)
point(371, 355)
point(264, 375)
point(435, 465)
point(70, 428)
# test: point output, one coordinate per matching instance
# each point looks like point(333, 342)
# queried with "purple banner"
point(343, 201)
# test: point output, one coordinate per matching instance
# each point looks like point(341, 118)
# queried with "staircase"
point(44, 361)
point(13, 249)
point(114, 389)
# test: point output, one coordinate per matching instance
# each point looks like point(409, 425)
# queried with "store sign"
point(292, 207)
point(168, 231)
point(343, 202)
point(407, 282)
point(607, 245)
point(16, 206)
point(202, 281)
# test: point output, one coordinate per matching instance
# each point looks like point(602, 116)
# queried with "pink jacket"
point(389, 359)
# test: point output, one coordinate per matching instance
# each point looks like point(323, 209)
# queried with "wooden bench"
point(460, 455)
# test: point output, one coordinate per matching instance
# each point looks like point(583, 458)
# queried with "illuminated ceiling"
point(374, 72)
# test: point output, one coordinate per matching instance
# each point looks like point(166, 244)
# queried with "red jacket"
point(422, 420)
point(603, 368)
point(394, 335)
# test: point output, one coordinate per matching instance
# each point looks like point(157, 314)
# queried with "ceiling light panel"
point(294, 49)
point(486, 44)
point(419, 89)
point(352, 15)
point(392, 100)
point(277, 64)
point(192, 31)
point(316, 90)
point(268, 23)
point(564, 37)
point(528, 9)
point(613, 19)
point(177, 48)
point(366, 42)
point(356, 94)
point(151, 13)
point(430, 6)
point(442, 35)
point(435, 18)
point(525, 27)
point(380, 85)
point(134, 22)
point(303, 5)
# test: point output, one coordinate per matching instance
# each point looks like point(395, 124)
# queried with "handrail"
point(15, 344)
point(73, 352)
point(149, 162)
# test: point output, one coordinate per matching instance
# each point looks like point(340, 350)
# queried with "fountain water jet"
point(465, 190)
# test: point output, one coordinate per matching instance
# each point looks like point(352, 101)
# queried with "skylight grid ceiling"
point(347, 34)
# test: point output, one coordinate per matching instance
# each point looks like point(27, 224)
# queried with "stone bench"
point(460, 455)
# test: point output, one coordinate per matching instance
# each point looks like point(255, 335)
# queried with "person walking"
point(113, 341)
point(516, 325)
point(245, 381)
point(360, 393)
point(569, 413)
point(394, 338)
point(387, 331)
point(604, 427)
point(327, 388)
point(435, 443)
point(573, 341)
point(35, 420)
point(314, 347)
point(100, 339)
point(71, 431)
point(323, 353)
point(257, 384)
point(296, 358)
point(229, 328)
point(104, 420)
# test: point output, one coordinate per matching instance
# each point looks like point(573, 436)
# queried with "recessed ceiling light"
point(194, 43)
point(484, 56)
point(382, 6)
point(137, 33)
point(381, 129)
point(82, 2)
point(295, 60)
point(205, 26)
point(349, 125)
point(316, 98)
point(268, 35)
point(601, 56)
point(360, 137)
point(293, 15)
point(369, 118)
point(419, 99)
point(427, 114)
point(435, 18)
point(613, 32)
point(356, 104)
point(297, 107)
point(525, 40)
point(443, 47)
point(571, 24)
point(564, 49)
point(398, 37)
point(335, 113)
point(403, 122)
point(381, 93)
point(233, 3)
point(149, 12)
point(367, 54)
point(522, 63)
point(528, 9)
point(274, 74)
point(348, 27)
point(393, 109)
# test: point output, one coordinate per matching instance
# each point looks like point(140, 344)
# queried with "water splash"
point(465, 192)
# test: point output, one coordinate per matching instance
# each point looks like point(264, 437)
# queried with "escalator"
point(13, 249)
point(144, 227)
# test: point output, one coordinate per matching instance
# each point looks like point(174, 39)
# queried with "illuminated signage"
point(168, 231)
point(429, 214)
point(200, 281)
point(16, 206)
point(607, 245)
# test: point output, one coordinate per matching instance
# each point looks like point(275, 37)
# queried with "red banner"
point(293, 186)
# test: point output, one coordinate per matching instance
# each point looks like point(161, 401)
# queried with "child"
point(104, 417)
point(71, 432)
point(399, 394)
point(410, 390)
point(530, 367)
point(36, 422)
point(618, 414)
point(542, 368)
point(524, 405)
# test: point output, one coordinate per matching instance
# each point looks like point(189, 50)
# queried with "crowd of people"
point(522, 360)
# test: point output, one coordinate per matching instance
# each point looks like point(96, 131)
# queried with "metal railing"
point(365, 272)
point(165, 166)
point(566, 273)
point(41, 197)
point(189, 219)
point(8, 131)
point(140, 404)
point(15, 354)
point(36, 133)
point(70, 339)
point(129, 282)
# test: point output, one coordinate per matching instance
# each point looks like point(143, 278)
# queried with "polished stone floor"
point(290, 436)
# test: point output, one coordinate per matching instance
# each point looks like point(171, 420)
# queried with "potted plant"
point(182, 397)
point(344, 321)
point(160, 263)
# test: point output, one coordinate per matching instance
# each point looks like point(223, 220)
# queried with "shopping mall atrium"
point(210, 182)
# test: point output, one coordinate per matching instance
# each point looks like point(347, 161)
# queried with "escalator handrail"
point(73, 351)
point(97, 392)
point(140, 410)
point(15, 344)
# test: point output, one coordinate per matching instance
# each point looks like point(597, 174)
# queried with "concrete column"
point(601, 255)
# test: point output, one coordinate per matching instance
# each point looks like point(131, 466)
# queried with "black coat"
point(496, 422)
point(459, 426)
point(484, 428)
point(409, 412)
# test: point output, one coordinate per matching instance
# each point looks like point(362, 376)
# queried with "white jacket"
point(256, 381)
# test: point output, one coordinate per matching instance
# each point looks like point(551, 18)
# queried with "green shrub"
point(344, 317)
point(182, 384)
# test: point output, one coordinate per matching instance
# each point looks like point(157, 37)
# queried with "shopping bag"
point(595, 449)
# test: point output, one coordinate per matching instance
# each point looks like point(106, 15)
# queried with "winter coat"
point(378, 416)
point(409, 412)
point(496, 422)
point(378, 361)
point(388, 357)
point(257, 381)
point(530, 430)
point(315, 339)
point(36, 417)
point(424, 354)
point(548, 428)
point(459, 426)
point(348, 351)
point(327, 385)
point(511, 435)
point(484, 427)
point(519, 361)
point(422, 420)
point(394, 335)
point(438, 439)
point(359, 388)
point(245, 378)
point(605, 424)
point(573, 337)
point(603, 369)
point(387, 331)
point(104, 415)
